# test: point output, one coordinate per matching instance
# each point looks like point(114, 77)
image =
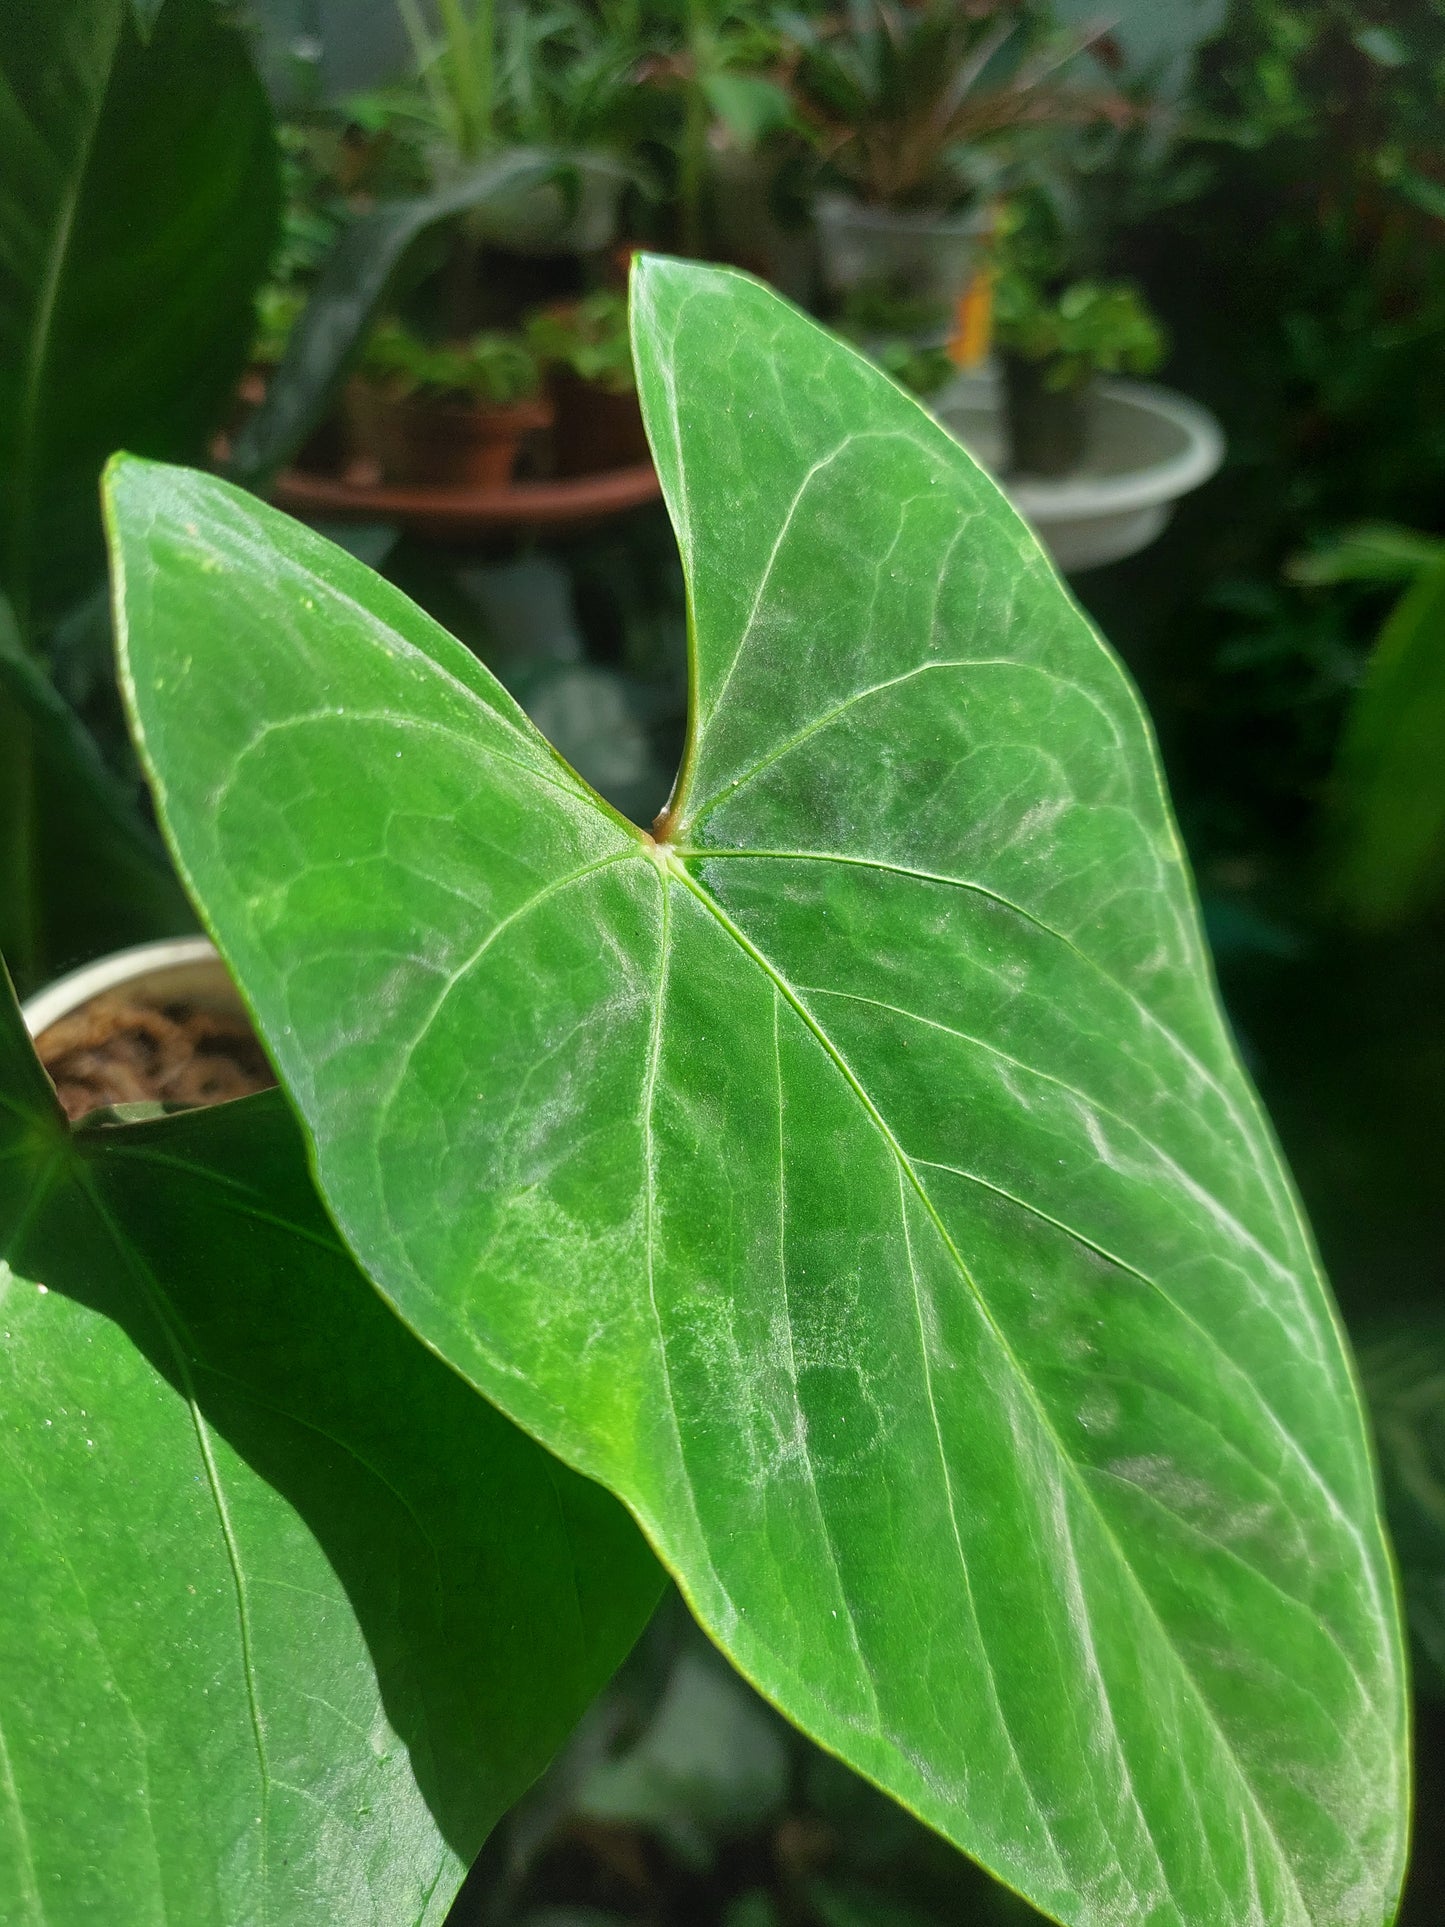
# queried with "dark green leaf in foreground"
point(861, 1182)
point(80, 873)
point(139, 195)
point(290, 1615)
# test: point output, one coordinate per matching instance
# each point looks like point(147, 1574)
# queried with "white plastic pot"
point(1147, 448)
point(572, 212)
point(931, 256)
point(178, 969)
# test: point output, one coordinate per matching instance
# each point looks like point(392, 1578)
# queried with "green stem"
point(470, 58)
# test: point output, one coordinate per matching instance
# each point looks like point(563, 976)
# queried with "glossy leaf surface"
point(138, 208)
point(290, 1615)
point(861, 1182)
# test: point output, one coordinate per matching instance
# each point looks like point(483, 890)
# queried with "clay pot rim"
point(509, 417)
point(451, 512)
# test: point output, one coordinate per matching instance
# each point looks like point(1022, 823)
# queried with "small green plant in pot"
point(1054, 343)
point(554, 82)
point(587, 351)
point(453, 414)
point(912, 107)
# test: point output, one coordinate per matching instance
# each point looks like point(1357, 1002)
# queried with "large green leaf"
point(290, 1615)
point(139, 197)
point(860, 1180)
point(80, 873)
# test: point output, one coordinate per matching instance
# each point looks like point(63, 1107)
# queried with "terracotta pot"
point(597, 430)
point(446, 444)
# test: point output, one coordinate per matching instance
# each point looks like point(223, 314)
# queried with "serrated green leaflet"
point(290, 1615)
point(860, 1181)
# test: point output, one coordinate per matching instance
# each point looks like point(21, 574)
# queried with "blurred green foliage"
point(589, 337)
point(1089, 328)
point(1303, 286)
point(1387, 863)
point(490, 367)
point(1286, 214)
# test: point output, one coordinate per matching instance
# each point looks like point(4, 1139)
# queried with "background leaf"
point(138, 212)
point(80, 872)
point(1403, 1366)
point(863, 1183)
point(1389, 781)
point(355, 279)
point(711, 1762)
point(291, 1615)
point(1370, 552)
point(146, 12)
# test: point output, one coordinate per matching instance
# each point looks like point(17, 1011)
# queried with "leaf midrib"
point(1210, 1338)
point(1066, 1460)
point(707, 853)
point(29, 1880)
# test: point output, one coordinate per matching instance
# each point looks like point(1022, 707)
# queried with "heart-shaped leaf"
point(290, 1615)
point(139, 197)
point(859, 1179)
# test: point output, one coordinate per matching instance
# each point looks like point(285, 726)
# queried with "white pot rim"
point(1079, 497)
point(835, 205)
point(77, 987)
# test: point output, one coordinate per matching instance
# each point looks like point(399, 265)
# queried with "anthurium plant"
point(853, 1174)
